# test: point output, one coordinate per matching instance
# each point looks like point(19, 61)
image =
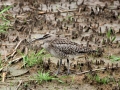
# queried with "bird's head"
point(46, 37)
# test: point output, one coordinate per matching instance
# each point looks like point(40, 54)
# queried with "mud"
point(85, 22)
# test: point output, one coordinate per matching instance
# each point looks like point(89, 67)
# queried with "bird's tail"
point(90, 50)
point(87, 50)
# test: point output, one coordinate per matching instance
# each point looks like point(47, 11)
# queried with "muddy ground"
point(95, 23)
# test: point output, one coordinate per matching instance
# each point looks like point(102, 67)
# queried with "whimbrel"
point(62, 48)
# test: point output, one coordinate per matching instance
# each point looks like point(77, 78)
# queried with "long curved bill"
point(41, 38)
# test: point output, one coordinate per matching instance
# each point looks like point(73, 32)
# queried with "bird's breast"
point(50, 49)
point(45, 46)
point(56, 53)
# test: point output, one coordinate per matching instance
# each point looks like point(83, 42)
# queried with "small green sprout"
point(32, 59)
point(110, 37)
point(45, 76)
point(4, 25)
point(114, 58)
point(97, 78)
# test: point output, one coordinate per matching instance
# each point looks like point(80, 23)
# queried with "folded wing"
point(69, 47)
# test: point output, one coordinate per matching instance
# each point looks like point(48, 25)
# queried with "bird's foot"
point(56, 73)
point(68, 72)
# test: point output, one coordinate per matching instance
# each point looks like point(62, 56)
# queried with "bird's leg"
point(58, 70)
point(86, 58)
point(87, 62)
point(68, 67)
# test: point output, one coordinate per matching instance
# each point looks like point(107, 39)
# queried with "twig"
point(95, 70)
point(19, 58)
point(41, 12)
point(44, 12)
point(20, 82)
point(4, 76)
point(64, 11)
point(1, 69)
point(14, 51)
point(15, 60)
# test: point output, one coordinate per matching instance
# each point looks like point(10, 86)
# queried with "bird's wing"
point(68, 47)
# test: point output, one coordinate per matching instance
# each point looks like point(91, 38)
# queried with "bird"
point(62, 48)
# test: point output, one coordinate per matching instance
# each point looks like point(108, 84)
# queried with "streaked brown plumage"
point(63, 48)
point(66, 47)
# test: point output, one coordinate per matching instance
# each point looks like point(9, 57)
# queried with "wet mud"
point(93, 23)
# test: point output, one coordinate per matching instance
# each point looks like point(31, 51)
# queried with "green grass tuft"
point(45, 76)
point(98, 79)
point(114, 58)
point(4, 25)
point(110, 37)
point(33, 58)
